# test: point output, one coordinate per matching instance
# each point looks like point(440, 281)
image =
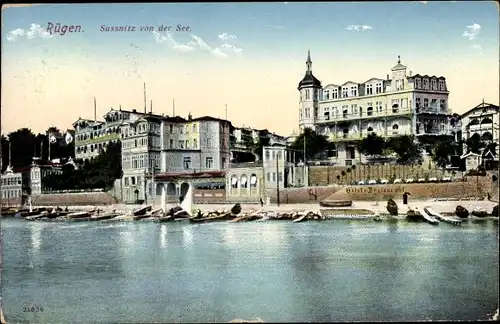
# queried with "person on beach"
point(261, 202)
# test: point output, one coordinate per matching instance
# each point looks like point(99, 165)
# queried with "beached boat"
point(413, 216)
point(78, 215)
point(300, 219)
point(217, 218)
point(335, 203)
point(104, 216)
point(141, 211)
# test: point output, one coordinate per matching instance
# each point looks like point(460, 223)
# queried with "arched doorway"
point(171, 189)
point(184, 188)
point(159, 189)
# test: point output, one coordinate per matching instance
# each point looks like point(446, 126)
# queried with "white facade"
point(160, 144)
point(482, 120)
point(11, 190)
point(400, 104)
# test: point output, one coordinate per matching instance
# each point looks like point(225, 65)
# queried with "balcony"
point(370, 114)
point(100, 139)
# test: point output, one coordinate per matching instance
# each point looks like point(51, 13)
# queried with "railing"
point(99, 139)
point(365, 115)
point(246, 165)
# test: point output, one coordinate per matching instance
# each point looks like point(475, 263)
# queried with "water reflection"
point(163, 236)
point(36, 237)
point(187, 235)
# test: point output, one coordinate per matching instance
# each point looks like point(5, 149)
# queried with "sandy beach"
point(376, 207)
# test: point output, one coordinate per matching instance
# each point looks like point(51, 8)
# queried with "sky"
point(248, 56)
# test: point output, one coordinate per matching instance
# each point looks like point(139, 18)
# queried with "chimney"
point(410, 73)
point(190, 117)
point(387, 76)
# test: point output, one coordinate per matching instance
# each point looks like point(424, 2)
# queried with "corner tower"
point(310, 89)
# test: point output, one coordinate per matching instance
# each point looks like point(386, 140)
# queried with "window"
point(326, 94)
point(280, 176)
point(369, 89)
point(417, 103)
point(433, 84)
point(244, 181)
point(426, 103)
point(308, 112)
point(345, 132)
point(253, 181)
point(418, 83)
point(171, 143)
point(132, 181)
point(335, 93)
point(395, 128)
point(344, 111)
point(195, 143)
point(316, 112)
point(181, 129)
point(194, 128)
point(334, 112)
point(395, 106)
point(187, 162)
point(442, 86)
point(300, 113)
point(345, 92)
point(379, 106)
point(434, 103)
point(354, 109)
point(425, 84)
point(274, 176)
point(268, 176)
point(326, 113)
point(369, 110)
point(354, 91)
point(234, 182)
point(442, 104)
point(171, 127)
point(399, 84)
point(308, 94)
point(378, 87)
point(209, 162)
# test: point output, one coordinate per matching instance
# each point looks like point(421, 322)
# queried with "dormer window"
point(326, 95)
point(433, 84)
point(378, 87)
point(418, 83)
point(354, 91)
point(399, 84)
point(345, 92)
point(369, 89)
point(426, 84)
point(335, 93)
point(441, 85)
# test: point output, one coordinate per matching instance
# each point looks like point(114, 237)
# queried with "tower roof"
point(399, 66)
point(309, 80)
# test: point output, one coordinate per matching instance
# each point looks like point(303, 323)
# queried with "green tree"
point(316, 144)
point(372, 145)
point(474, 143)
point(442, 151)
point(406, 148)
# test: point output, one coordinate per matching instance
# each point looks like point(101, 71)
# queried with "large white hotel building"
point(401, 103)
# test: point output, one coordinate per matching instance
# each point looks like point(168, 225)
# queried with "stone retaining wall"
point(74, 199)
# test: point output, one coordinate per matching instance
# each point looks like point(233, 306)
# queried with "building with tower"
point(400, 104)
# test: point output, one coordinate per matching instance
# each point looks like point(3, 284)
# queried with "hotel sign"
point(375, 190)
